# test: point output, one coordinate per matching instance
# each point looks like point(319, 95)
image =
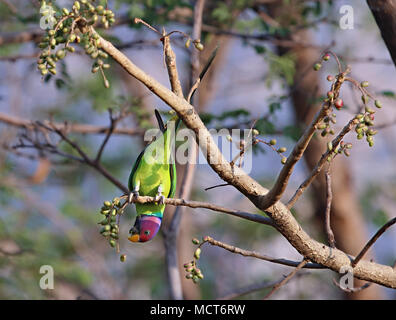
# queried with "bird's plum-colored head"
point(145, 228)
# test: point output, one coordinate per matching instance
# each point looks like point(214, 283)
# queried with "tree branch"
point(378, 234)
point(329, 231)
point(254, 254)
point(254, 287)
point(319, 166)
point(282, 217)
point(70, 127)
point(285, 280)
point(281, 183)
point(112, 127)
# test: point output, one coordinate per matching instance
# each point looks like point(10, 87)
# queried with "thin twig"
point(89, 161)
point(329, 199)
point(113, 124)
point(378, 234)
point(217, 186)
point(255, 287)
point(282, 181)
point(205, 205)
point(285, 280)
point(201, 75)
point(138, 20)
point(71, 127)
point(323, 160)
point(253, 254)
point(280, 185)
point(352, 290)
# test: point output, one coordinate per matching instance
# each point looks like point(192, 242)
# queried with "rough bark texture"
point(384, 12)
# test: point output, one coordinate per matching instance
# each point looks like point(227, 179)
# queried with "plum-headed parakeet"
point(153, 174)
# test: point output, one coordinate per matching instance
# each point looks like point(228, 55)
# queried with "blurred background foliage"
point(54, 221)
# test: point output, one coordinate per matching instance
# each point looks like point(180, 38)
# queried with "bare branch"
point(97, 166)
point(378, 234)
point(285, 280)
point(329, 231)
point(253, 254)
point(170, 60)
point(352, 290)
point(71, 127)
point(204, 205)
point(255, 287)
point(112, 127)
point(314, 173)
point(280, 185)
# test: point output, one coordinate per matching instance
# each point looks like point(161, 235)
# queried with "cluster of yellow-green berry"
point(325, 125)
point(366, 120)
point(92, 48)
point(280, 150)
point(256, 140)
point(341, 148)
point(110, 227)
point(73, 26)
point(193, 272)
point(271, 144)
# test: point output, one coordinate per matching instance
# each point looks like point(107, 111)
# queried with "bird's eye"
point(147, 232)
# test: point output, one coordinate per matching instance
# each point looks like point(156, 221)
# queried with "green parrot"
point(153, 174)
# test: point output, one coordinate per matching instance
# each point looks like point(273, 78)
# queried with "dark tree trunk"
point(384, 12)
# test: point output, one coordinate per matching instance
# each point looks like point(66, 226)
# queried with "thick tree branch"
point(311, 249)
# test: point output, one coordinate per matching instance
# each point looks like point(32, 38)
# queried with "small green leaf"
point(388, 93)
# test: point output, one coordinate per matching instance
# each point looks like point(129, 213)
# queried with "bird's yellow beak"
point(134, 238)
